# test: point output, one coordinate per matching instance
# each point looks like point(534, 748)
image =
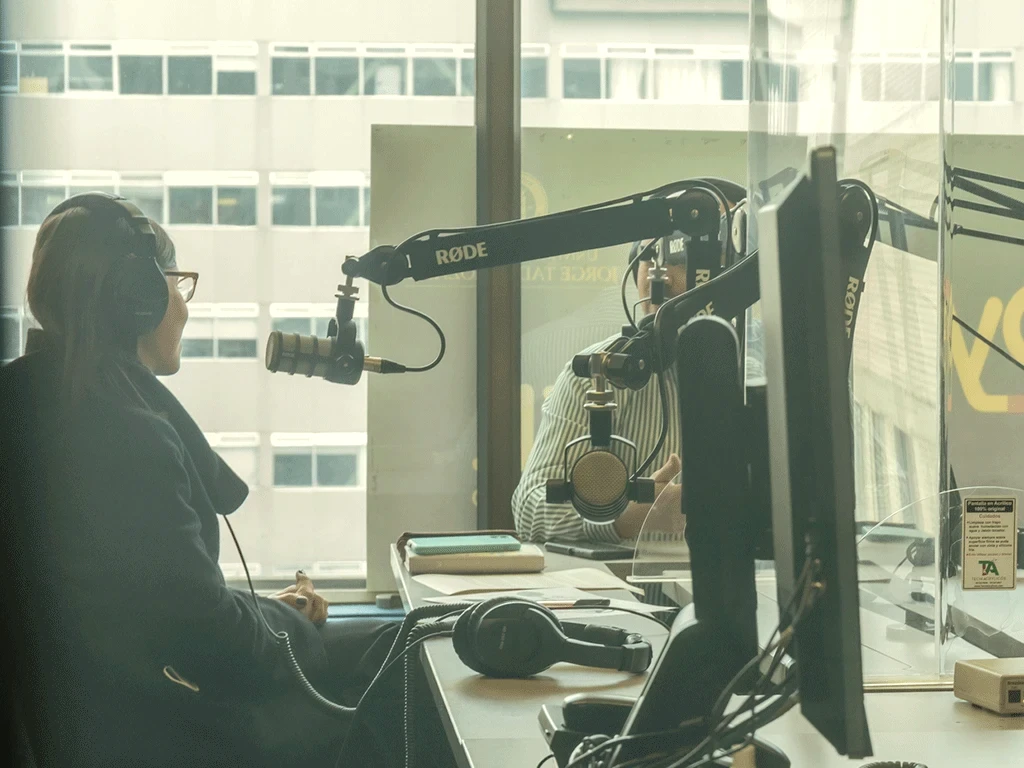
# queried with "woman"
point(132, 650)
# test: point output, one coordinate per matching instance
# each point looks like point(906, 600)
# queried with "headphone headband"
point(135, 286)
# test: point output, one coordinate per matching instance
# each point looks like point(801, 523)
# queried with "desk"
point(493, 723)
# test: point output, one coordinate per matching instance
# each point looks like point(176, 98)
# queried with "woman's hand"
point(302, 597)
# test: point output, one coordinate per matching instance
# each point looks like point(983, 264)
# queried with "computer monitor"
point(811, 438)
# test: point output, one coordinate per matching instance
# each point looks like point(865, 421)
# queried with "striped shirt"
point(638, 418)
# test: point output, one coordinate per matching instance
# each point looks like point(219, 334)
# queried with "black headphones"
point(136, 287)
point(511, 637)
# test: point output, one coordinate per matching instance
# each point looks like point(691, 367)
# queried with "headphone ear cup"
point(507, 637)
point(139, 294)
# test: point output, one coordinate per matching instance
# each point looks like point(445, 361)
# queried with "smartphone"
point(453, 545)
point(591, 550)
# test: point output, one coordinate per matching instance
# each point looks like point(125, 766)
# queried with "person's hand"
point(302, 597)
point(669, 496)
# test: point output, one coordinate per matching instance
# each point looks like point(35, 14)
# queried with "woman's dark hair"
point(74, 253)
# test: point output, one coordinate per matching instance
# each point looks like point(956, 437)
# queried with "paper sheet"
point(561, 594)
point(578, 578)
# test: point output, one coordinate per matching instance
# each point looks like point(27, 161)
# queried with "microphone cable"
point(428, 319)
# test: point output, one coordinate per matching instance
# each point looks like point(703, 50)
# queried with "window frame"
point(214, 180)
point(293, 50)
point(239, 440)
point(12, 48)
point(63, 55)
point(215, 311)
point(190, 50)
point(85, 49)
point(337, 51)
point(350, 443)
point(236, 57)
point(436, 51)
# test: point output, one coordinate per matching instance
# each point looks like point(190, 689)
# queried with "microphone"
point(599, 485)
point(339, 357)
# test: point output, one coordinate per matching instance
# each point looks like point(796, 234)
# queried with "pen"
point(595, 602)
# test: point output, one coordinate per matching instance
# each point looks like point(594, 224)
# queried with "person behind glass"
point(638, 418)
point(131, 648)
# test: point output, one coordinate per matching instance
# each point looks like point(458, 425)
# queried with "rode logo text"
point(461, 253)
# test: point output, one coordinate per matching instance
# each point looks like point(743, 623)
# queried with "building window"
point(337, 207)
point(336, 72)
point(189, 75)
point(90, 68)
point(983, 76)
point(190, 205)
point(289, 70)
point(141, 75)
point(10, 213)
point(732, 81)
point(235, 67)
point(905, 468)
point(776, 82)
point(434, 76)
point(146, 191)
point(40, 194)
point(533, 71)
point(384, 75)
point(626, 74)
point(880, 461)
point(10, 333)
point(329, 461)
point(41, 68)
point(8, 67)
point(291, 206)
point(314, 320)
point(221, 331)
point(224, 199)
point(236, 206)
point(581, 78)
point(240, 451)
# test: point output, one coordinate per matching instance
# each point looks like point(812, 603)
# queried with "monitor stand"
point(701, 654)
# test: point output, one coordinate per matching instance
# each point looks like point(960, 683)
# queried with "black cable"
point(989, 343)
point(643, 252)
point(366, 694)
point(544, 760)
point(422, 316)
point(605, 746)
point(662, 392)
point(283, 639)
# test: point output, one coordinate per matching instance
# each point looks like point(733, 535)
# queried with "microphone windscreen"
point(293, 353)
point(600, 482)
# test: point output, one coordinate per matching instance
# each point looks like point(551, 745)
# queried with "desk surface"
point(493, 723)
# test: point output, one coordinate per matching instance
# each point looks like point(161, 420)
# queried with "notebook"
point(528, 559)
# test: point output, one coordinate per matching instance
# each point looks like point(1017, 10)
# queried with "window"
point(226, 199)
point(912, 77)
point(329, 461)
point(190, 74)
point(467, 76)
point(40, 194)
point(290, 206)
point(9, 200)
point(190, 205)
point(10, 333)
point(41, 68)
point(90, 68)
point(241, 452)
point(236, 206)
point(880, 461)
point(581, 78)
point(289, 70)
point(146, 191)
point(626, 74)
point(995, 77)
point(336, 71)
point(313, 319)
point(221, 331)
point(235, 66)
point(141, 74)
point(533, 72)
point(732, 80)
point(8, 67)
point(434, 74)
point(383, 74)
point(337, 207)
point(82, 182)
point(366, 206)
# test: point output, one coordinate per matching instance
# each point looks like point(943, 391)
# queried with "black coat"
point(112, 579)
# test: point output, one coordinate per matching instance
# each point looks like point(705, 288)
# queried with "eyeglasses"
point(185, 283)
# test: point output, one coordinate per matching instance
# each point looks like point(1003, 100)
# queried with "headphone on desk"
point(509, 637)
point(135, 287)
